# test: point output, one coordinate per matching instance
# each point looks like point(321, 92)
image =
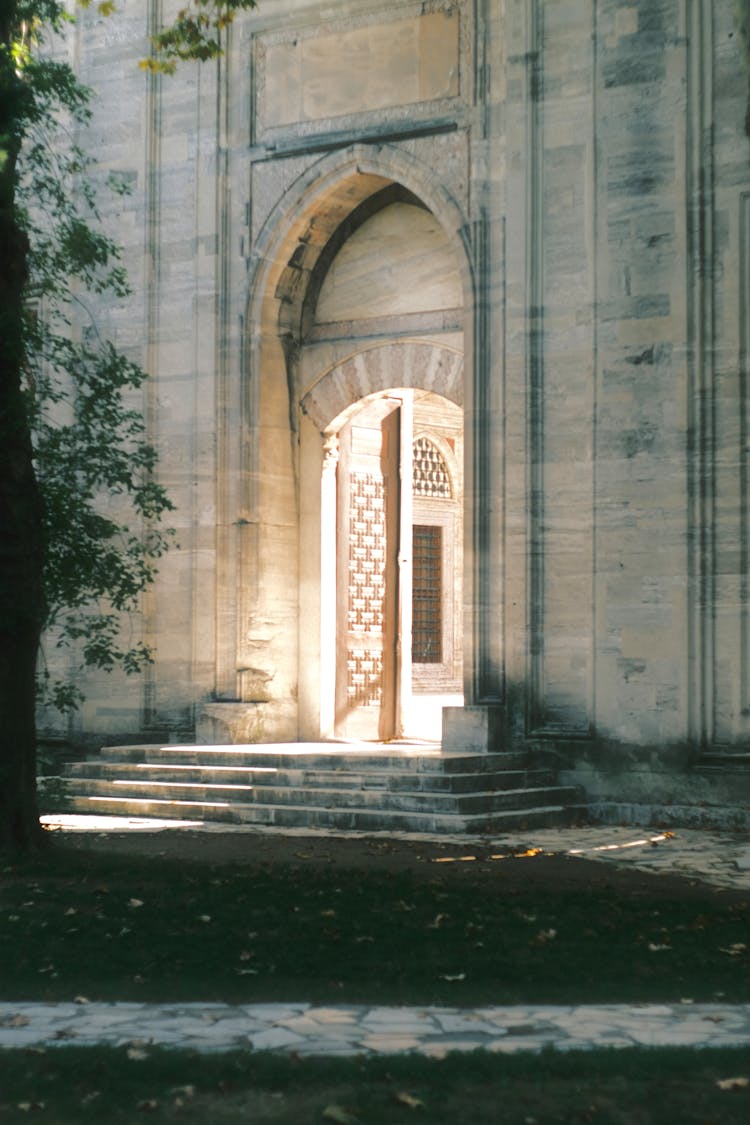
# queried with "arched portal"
point(382, 587)
point(360, 293)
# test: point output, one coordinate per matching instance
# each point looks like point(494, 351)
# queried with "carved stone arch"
point(407, 364)
point(300, 225)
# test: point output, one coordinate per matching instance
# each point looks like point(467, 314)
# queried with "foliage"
point(195, 33)
point(88, 431)
point(89, 436)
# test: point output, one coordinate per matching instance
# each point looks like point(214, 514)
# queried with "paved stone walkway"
point(303, 1029)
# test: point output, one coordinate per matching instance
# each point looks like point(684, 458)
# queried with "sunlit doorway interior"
point(398, 566)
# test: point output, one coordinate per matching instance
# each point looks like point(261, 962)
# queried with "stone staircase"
point(324, 785)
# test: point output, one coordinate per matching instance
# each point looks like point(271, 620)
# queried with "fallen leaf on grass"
point(339, 1115)
point(733, 1083)
point(437, 921)
point(404, 1098)
point(543, 937)
point(187, 1091)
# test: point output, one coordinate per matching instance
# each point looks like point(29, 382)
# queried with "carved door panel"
point(368, 498)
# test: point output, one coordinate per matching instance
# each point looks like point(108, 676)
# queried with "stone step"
point(262, 776)
point(319, 756)
point(325, 798)
point(368, 820)
point(373, 787)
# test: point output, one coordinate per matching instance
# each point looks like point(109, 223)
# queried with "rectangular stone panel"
point(355, 70)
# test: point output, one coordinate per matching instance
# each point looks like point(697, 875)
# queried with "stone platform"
point(367, 786)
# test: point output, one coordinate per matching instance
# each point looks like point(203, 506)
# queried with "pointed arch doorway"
point(396, 565)
point(363, 286)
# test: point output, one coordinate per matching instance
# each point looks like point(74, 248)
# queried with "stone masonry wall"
point(593, 151)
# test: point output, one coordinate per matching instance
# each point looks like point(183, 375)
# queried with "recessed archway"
point(305, 376)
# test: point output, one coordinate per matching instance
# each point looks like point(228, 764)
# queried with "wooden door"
point(368, 498)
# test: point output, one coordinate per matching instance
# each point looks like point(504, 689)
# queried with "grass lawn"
point(295, 924)
point(186, 916)
point(71, 1086)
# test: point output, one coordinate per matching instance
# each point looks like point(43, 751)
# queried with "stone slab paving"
point(303, 1029)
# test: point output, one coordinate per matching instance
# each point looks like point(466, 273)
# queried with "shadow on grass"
point(117, 928)
point(645, 1086)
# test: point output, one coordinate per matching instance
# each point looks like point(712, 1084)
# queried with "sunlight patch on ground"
point(56, 821)
point(652, 840)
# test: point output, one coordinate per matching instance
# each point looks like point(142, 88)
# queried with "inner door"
point(368, 519)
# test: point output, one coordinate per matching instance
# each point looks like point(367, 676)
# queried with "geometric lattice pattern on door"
point(427, 595)
point(366, 588)
point(430, 473)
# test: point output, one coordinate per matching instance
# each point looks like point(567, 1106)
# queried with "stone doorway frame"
point(401, 365)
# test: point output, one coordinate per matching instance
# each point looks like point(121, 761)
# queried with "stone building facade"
point(445, 296)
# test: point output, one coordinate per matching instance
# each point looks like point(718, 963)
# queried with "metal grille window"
point(430, 472)
point(427, 595)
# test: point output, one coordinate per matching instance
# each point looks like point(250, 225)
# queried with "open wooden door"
point(368, 531)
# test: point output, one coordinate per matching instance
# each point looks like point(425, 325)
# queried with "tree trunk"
point(22, 608)
point(21, 565)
